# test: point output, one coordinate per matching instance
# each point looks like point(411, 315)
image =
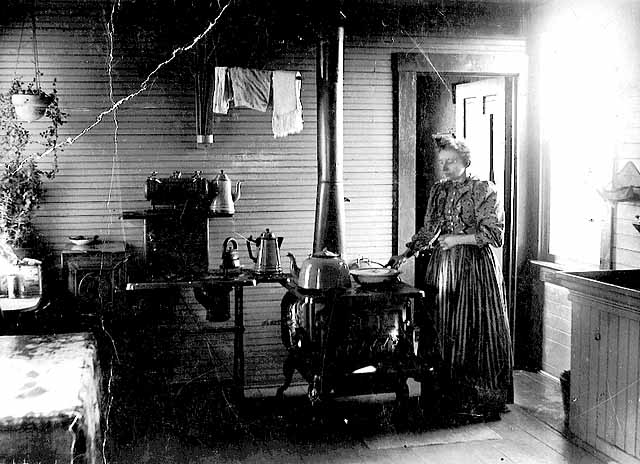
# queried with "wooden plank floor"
point(359, 431)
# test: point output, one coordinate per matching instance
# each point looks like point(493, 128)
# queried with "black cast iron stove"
point(175, 227)
point(360, 340)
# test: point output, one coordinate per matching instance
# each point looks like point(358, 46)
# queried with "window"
point(580, 62)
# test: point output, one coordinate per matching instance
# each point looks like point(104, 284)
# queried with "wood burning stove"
point(176, 228)
point(358, 340)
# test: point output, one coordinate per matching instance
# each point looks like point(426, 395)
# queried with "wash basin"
point(621, 287)
point(605, 320)
point(627, 278)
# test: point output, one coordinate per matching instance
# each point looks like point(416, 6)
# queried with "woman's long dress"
point(468, 288)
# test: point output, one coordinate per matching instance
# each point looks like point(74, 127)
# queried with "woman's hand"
point(448, 241)
point(396, 261)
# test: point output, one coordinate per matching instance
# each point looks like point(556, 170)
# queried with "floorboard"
point(358, 430)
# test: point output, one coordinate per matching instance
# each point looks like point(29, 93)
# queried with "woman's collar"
point(464, 179)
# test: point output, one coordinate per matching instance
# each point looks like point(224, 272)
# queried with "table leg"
point(238, 342)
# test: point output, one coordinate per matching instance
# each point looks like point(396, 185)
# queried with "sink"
point(627, 278)
point(605, 323)
point(619, 287)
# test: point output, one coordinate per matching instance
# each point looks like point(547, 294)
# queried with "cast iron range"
point(176, 231)
point(342, 340)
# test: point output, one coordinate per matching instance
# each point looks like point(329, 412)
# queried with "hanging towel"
point(251, 87)
point(287, 108)
point(222, 91)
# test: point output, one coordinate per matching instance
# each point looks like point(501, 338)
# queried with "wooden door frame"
point(406, 67)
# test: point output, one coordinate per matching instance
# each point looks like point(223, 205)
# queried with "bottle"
point(15, 286)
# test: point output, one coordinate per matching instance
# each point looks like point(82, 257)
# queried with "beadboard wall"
point(102, 174)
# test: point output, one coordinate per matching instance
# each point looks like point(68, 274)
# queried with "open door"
point(480, 119)
point(425, 89)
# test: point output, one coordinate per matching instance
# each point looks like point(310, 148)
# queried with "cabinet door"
point(618, 385)
point(605, 375)
point(586, 338)
point(617, 400)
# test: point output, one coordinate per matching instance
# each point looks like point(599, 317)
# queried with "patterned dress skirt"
point(473, 328)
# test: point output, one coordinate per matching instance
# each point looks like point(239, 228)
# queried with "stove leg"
point(315, 390)
point(431, 398)
point(402, 400)
point(288, 368)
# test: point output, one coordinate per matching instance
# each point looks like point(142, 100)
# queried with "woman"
point(463, 220)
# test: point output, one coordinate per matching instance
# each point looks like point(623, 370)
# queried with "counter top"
point(97, 247)
point(620, 287)
point(246, 279)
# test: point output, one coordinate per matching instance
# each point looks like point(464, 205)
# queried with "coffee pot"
point(268, 258)
point(230, 256)
point(223, 197)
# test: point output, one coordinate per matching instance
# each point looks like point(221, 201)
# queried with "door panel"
point(480, 119)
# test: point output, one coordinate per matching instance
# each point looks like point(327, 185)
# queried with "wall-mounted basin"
point(627, 278)
point(615, 286)
point(605, 324)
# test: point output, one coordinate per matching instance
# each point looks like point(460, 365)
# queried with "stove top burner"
point(192, 192)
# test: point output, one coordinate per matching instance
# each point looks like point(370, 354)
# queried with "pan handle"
point(435, 237)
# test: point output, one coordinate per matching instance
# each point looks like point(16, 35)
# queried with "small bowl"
point(80, 240)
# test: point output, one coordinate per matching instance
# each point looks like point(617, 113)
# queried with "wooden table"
point(212, 281)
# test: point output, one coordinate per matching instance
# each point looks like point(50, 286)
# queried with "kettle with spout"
point(321, 271)
point(223, 200)
point(230, 257)
point(268, 257)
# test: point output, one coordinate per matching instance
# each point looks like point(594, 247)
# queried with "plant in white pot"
point(30, 101)
point(21, 179)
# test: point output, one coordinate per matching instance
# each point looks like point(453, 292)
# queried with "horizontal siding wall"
point(556, 324)
point(102, 174)
point(626, 240)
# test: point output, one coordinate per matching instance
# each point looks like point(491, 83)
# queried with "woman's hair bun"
point(448, 140)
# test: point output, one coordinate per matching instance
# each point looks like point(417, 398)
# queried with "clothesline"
point(255, 89)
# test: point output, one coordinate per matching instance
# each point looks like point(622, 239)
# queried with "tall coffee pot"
point(223, 198)
point(268, 258)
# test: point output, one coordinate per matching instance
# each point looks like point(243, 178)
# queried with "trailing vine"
point(21, 179)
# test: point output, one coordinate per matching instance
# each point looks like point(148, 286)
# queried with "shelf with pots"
point(625, 186)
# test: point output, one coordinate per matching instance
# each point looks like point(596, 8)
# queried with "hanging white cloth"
point(251, 88)
point(287, 107)
point(221, 91)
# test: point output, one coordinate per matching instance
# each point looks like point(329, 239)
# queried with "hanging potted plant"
point(21, 179)
point(30, 101)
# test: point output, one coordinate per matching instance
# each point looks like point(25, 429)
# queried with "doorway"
point(472, 107)
point(440, 76)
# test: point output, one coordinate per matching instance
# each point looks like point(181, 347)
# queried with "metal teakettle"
point(268, 258)
point(223, 197)
point(230, 256)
